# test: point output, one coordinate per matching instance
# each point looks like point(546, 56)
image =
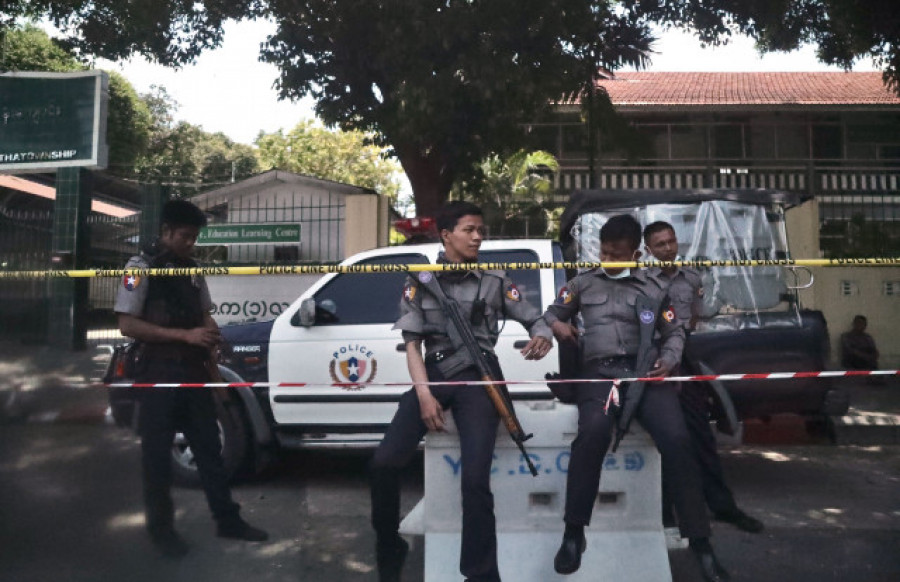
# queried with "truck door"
point(351, 341)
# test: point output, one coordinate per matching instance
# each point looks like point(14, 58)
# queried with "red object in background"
point(417, 229)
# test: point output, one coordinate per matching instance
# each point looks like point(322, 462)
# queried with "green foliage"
point(843, 31)
point(28, 48)
point(513, 192)
point(351, 157)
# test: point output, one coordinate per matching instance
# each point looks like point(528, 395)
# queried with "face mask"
point(622, 275)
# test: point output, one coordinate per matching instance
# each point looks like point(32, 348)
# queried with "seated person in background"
point(858, 351)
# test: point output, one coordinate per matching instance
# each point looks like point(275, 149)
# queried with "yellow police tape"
point(399, 268)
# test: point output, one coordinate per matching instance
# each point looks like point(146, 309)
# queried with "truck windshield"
point(717, 230)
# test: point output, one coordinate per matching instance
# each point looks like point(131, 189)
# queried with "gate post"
point(68, 302)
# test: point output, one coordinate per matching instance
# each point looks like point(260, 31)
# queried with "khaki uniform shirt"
point(685, 292)
point(611, 325)
point(131, 294)
point(421, 316)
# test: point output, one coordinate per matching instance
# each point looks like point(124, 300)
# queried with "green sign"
point(249, 234)
point(53, 120)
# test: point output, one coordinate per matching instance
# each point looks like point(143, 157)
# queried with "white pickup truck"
point(338, 331)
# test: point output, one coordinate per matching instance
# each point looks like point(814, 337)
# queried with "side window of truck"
point(528, 281)
point(364, 298)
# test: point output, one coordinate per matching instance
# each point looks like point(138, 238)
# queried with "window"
point(364, 298)
point(290, 254)
point(574, 141)
point(793, 142)
point(890, 288)
point(827, 143)
point(849, 288)
point(688, 142)
point(728, 141)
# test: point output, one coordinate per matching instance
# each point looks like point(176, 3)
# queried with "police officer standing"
point(685, 291)
point(483, 297)
point(610, 344)
point(170, 319)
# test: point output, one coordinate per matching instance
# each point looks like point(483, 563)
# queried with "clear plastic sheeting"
point(733, 297)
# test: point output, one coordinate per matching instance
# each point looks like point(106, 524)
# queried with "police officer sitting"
point(606, 299)
point(483, 297)
point(170, 318)
point(686, 293)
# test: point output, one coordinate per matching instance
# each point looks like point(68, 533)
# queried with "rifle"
point(464, 335)
point(645, 359)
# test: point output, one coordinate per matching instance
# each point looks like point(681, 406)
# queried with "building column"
point(70, 241)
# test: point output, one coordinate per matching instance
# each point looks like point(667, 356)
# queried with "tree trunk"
point(429, 175)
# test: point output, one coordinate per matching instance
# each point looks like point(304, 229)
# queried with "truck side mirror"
point(306, 315)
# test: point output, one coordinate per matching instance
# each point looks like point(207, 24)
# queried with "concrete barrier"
point(624, 542)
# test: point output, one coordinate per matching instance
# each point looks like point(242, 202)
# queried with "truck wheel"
point(233, 436)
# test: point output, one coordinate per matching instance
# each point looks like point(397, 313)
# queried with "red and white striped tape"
point(695, 378)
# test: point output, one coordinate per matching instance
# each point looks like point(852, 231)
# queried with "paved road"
point(70, 510)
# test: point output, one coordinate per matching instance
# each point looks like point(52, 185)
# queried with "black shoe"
point(169, 543)
point(568, 558)
point(710, 567)
point(740, 520)
point(390, 554)
point(238, 529)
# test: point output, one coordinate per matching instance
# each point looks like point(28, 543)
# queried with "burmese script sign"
point(249, 234)
point(53, 120)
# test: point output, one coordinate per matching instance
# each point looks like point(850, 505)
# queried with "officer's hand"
point(431, 411)
point(206, 337)
point(564, 332)
point(537, 348)
point(660, 369)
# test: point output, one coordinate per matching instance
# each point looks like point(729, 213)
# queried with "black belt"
point(615, 362)
point(441, 355)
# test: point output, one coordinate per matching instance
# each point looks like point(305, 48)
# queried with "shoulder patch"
point(512, 292)
point(669, 314)
point(131, 282)
point(565, 296)
point(409, 291)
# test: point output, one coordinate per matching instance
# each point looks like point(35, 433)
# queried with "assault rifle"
point(464, 335)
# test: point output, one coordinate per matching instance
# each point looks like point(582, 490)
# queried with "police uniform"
point(179, 302)
point(476, 418)
point(609, 349)
point(685, 292)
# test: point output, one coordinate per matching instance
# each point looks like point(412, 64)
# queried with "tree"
point(513, 191)
point(444, 83)
point(28, 48)
point(343, 156)
point(843, 31)
point(448, 82)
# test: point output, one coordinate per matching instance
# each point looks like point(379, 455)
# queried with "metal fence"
point(24, 245)
point(859, 225)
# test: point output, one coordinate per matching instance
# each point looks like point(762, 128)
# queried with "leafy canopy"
point(351, 157)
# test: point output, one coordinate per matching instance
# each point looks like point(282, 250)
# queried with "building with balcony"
point(832, 136)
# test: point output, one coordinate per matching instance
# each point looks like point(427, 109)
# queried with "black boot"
point(568, 558)
point(710, 567)
point(238, 529)
point(390, 554)
point(168, 542)
point(740, 520)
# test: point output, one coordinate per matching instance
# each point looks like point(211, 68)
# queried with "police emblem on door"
point(350, 372)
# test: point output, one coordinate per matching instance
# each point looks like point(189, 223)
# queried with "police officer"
point(484, 297)
point(686, 294)
point(606, 300)
point(170, 318)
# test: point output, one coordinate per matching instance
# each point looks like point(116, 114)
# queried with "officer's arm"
point(528, 315)
point(560, 313)
point(430, 409)
point(672, 333)
point(145, 331)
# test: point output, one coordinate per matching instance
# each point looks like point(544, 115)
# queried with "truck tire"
point(233, 435)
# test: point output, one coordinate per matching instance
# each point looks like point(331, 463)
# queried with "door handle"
point(401, 347)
